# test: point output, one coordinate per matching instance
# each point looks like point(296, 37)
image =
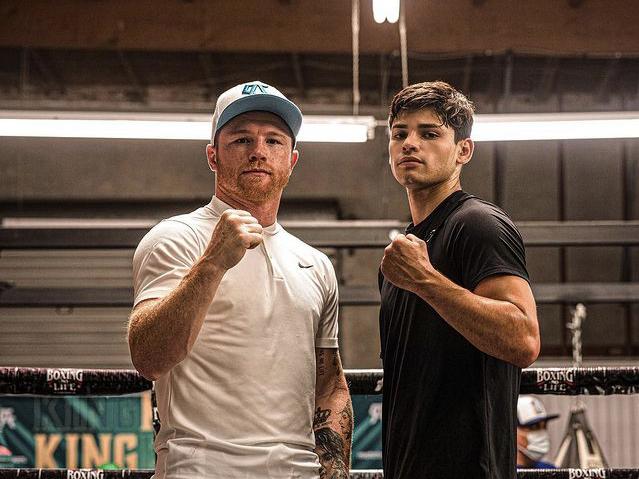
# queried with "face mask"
point(538, 444)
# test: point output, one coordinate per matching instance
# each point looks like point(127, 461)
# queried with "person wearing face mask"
point(533, 441)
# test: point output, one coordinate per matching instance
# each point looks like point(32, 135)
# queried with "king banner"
point(76, 432)
point(117, 432)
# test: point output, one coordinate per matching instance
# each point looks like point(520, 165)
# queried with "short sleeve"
point(486, 242)
point(326, 336)
point(162, 258)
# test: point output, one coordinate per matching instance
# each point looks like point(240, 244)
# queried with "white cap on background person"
point(531, 410)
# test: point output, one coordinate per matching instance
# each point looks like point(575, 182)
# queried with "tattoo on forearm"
point(321, 362)
point(346, 422)
point(321, 417)
point(330, 449)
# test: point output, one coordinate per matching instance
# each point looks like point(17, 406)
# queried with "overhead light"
point(174, 126)
point(342, 129)
point(556, 126)
point(165, 126)
point(386, 10)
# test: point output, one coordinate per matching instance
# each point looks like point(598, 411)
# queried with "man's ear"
point(295, 155)
point(210, 157)
point(466, 148)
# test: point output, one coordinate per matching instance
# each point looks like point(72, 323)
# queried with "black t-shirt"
point(449, 410)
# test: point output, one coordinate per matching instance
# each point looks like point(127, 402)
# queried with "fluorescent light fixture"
point(342, 129)
point(386, 10)
point(392, 11)
point(379, 10)
point(69, 223)
point(165, 126)
point(174, 126)
point(556, 126)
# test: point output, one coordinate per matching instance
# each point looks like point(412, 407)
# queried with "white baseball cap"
point(255, 96)
point(531, 410)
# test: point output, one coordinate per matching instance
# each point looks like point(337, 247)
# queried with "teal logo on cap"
point(251, 88)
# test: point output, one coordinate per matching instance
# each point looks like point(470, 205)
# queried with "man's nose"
point(258, 153)
point(410, 142)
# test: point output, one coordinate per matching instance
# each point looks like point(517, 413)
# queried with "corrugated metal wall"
point(65, 337)
point(613, 419)
point(66, 268)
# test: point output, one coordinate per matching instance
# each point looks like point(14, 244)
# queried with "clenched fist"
point(406, 263)
point(235, 232)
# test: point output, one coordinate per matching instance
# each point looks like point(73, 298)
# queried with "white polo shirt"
point(241, 404)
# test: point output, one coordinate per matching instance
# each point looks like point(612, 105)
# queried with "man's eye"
point(398, 135)
point(242, 140)
point(430, 134)
point(274, 141)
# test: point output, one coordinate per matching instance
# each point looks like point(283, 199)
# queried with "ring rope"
point(71, 382)
point(88, 382)
point(355, 474)
point(558, 381)
point(67, 382)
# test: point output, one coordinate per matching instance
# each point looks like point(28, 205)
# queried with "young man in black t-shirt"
point(458, 319)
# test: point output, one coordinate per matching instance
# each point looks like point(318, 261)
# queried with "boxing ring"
point(338, 234)
point(113, 382)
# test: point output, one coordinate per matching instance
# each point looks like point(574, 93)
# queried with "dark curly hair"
point(450, 105)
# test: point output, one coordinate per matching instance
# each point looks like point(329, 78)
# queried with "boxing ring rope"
point(110, 382)
point(361, 474)
point(558, 381)
point(71, 382)
point(114, 382)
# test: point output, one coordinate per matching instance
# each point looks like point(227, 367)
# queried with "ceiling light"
point(556, 126)
point(174, 126)
point(386, 10)
point(354, 129)
point(164, 126)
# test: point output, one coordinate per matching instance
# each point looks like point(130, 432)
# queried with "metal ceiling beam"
point(204, 58)
point(609, 74)
point(134, 79)
point(545, 293)
point(51, 78)
point(548, 79)
point(384, 78)
point(342, 234)
point(297, 72)
point(23, 80)
point(238, 25)
point(497, 72)
point(508, 79)
point(468, 75)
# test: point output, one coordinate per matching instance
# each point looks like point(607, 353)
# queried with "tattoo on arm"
point(321, 417)
point(333, 418)
point(346, 422)
point(330, 445)
point(330, 449)
point(321, 363)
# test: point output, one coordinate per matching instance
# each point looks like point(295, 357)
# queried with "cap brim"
point(285, 109)
point(537, 420)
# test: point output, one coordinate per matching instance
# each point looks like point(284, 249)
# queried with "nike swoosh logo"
point(305, 266)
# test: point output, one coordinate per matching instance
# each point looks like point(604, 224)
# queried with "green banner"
point(367, 436)
point(116, 432)
point(76, 432)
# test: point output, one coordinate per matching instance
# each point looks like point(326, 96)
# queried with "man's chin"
point(259, 192)
point(262, 189)
point(410, 180)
